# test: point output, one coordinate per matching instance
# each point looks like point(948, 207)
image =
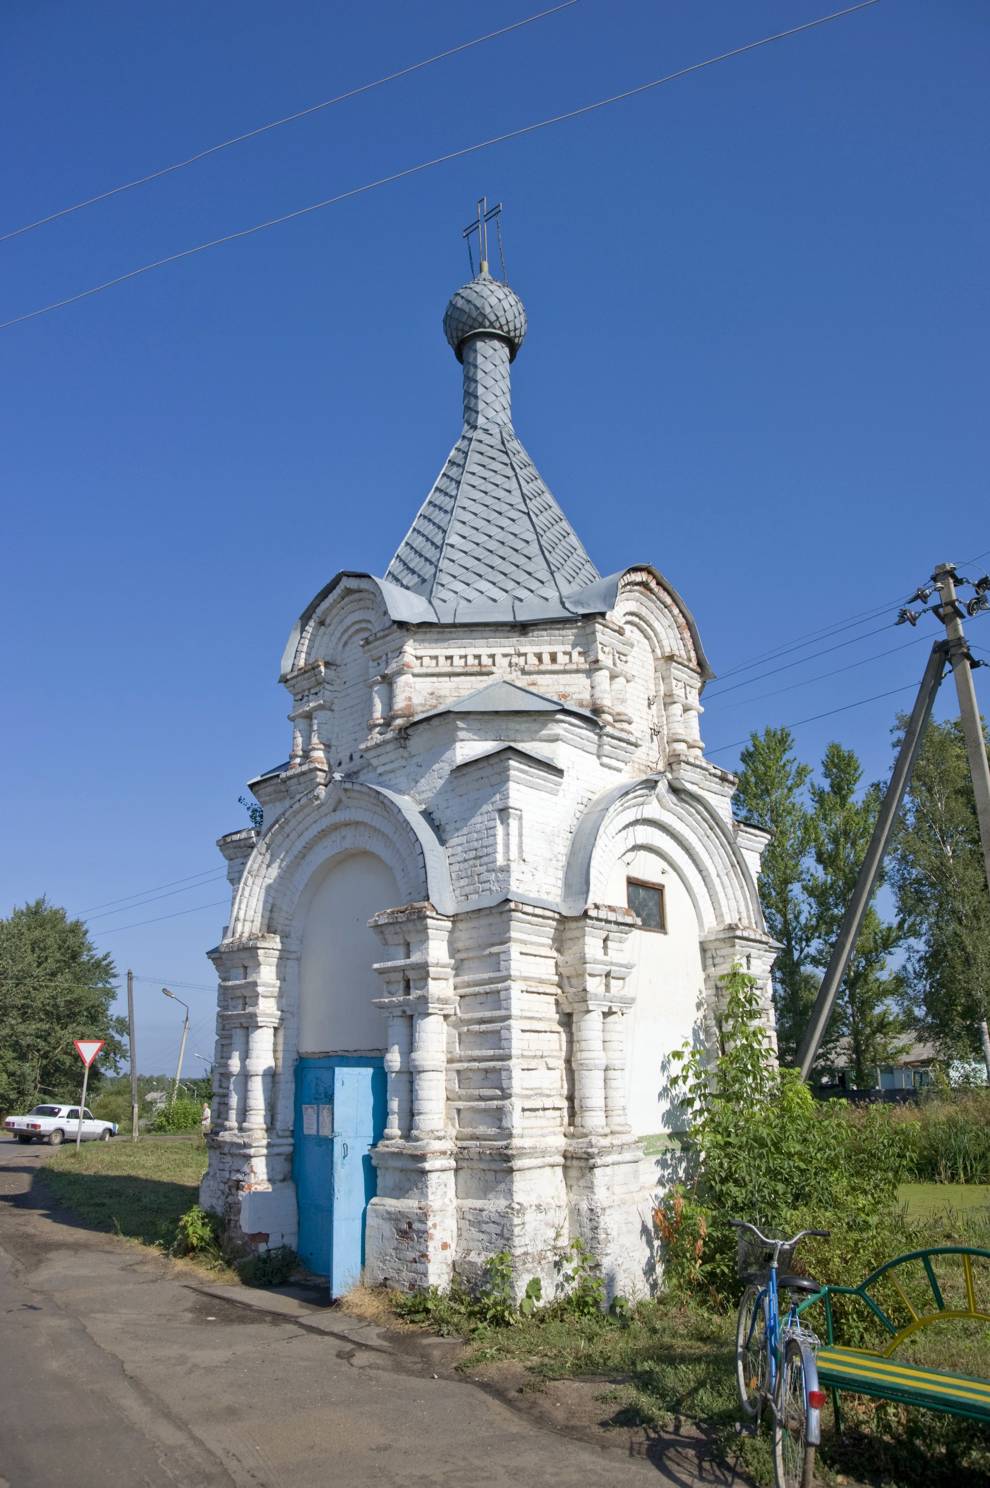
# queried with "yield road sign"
point(87, 1049)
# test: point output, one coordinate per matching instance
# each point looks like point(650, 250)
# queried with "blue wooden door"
point(359, 1119)
point(340, 1115)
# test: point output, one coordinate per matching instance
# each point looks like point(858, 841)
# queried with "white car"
point(56, 1124)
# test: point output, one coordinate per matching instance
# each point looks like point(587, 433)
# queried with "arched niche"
point(666, 982)
point(337, 953)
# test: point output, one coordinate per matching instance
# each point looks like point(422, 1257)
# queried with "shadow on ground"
point(145, 1209)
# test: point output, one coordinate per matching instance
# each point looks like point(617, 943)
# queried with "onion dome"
point(485, 307)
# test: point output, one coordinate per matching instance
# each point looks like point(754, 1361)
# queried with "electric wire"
point(798, 644)
point(314, 108)
point(423, 165)
point(153, 898)
point(213, 904)
point(171, 982)
point(835, 628)
point(829, 713)
point(844, 707)
point(141, 893)
point(801, 661)
point(821, 676)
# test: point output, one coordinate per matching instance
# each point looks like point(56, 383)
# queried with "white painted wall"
point(668, 983)
point(336, 979)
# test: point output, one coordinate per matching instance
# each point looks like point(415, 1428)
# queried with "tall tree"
point(866, 1011)
point(54, 988)
point(938, 876)
point(772, 794)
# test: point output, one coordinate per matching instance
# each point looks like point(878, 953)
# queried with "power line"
point(166, 981)
point(314, 108)
point(798, 722)
point(153, 898)
point(836, 628)
point(821, 676)
point(798, 644)
point(801, 661)
point(423, 165)
point(140, 893)
point(214, 903)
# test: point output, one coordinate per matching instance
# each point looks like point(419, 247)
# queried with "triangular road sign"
point(87, 1049)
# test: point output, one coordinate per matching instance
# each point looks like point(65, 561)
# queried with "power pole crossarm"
point(869, 871)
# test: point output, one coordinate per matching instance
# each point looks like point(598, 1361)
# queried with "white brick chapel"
point(496, 883)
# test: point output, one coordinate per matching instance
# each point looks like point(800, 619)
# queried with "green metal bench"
point(902, 1298)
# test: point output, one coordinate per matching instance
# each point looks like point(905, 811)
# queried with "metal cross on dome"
point(483, 215)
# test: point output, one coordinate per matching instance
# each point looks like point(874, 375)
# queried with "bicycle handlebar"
point(743, 1224)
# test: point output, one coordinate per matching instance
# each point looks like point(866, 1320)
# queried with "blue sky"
point(757, 359)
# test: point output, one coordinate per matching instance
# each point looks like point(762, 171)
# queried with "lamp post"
point(182, 1045)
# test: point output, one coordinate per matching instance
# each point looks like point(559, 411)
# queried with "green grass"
point(671, 1361)
point(667, 1359)
point(925, 1199)
point(136, 1189)
point(666, 1362)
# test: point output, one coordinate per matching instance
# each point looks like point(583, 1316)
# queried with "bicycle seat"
point(787, 1282)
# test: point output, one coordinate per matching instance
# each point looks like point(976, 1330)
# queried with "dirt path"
point(120, 1366)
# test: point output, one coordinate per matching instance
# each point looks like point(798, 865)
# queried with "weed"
point(198, 1233)
point(269, 1268)
point(581, 1287)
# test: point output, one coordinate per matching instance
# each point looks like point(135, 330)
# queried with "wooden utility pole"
point(955, 651)
point(950, 612)
point(132, 1045)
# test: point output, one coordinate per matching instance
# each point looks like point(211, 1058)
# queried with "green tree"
point(54, 988)
point(938, 876)
point(772, 794)
point(866, 1012)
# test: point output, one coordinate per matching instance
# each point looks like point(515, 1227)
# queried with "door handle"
point(344, 1153)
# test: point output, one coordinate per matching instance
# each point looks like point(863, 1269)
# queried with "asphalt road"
point(118, 1367)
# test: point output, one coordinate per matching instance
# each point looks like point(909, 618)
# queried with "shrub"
point(760, 1149)
point(113, 1105)
point(269, 1267)
point(178, 1116)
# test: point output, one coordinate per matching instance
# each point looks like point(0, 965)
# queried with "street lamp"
point(182, 1045)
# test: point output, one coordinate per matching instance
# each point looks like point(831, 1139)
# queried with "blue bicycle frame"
point(767, 1306)
point(768, 1303)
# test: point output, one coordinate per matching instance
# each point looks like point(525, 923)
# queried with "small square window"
point(646, 900)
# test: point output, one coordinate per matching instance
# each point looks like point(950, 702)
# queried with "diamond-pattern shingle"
point(490, 534)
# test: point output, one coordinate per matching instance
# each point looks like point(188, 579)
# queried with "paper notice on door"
point(309, 1120)
point(326, 1121)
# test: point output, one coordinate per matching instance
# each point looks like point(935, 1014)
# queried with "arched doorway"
point(340, 1079)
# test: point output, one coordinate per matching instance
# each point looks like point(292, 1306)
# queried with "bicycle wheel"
point(752, 1371)
point(793, 1457)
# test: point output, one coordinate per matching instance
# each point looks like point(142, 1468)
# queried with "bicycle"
point(775, 1361)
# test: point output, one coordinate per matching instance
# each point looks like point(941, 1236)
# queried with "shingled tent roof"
point(490, 539)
